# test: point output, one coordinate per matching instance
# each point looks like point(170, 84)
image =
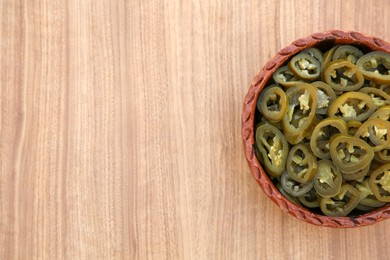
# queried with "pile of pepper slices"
point(323, 134)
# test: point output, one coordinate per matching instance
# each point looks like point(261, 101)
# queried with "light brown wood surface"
point(120, 129)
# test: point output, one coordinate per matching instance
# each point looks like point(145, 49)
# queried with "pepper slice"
point(305, 66)
point(301, 163)
point(293, 187)
point(302, 105)
point(352, 106)
point(379, 97)
point(323, 131)
point(367, 197)
point(375, 66)
point(293, 199)
point(343, 75)
point(347, 52)
point(382, 113)
point(315, 53)
point(383, 156)
point(341, 204)
point(350, 154)
point(375, 132)
point(353, 126)
point(285, 77)
point(356, 175)
point(273, 103)
point(328, 56)
point(327, 181)
point(325, 96)
point(310, 199)
point(380, 183)
point(385, 88)
point(273, 149)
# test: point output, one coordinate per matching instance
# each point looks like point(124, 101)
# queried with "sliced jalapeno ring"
point(273, 104)
point(305, 66)
point(323, 131)
point(385, 88)
point(285, 77)
point(375, 66)
point(327, 181)
point(352, 106)
point(365, 208)
point(356, 174)
point(293, 199)
point(380, 183)
point(293, 187)
point(379, 97)
point(325, 96)
point(382, 113)
point(310, 199)
point(273, 148)
point(347, 52)
point(299, 118)
point(341, 204)
point(375, 132)
point(383, 156)
point(372, 201)
point(301, 164)
point(367, 197)
point(350, 154)
point(343, 76)
point(328, 56)
point(353, 126)
point(315, 53)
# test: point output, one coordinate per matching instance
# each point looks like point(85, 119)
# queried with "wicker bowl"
point(322, 40)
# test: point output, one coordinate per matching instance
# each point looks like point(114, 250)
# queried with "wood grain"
point(120, 133)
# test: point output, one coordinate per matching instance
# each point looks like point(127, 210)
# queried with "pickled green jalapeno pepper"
point(315, 53)
point(327, 181)
point(273, 149)
point(273, 103)
point(310, 199)
point(341, 204)
point(367, 197)
point(350, 154)
point(348, 53)
point(383, 156)
point(323, 131)
point(356, 174)
point(385, 88)
point(293, 199)
point(352, 106)
point(372, 201)
point(304, 66)
point(375, 132)
point(343, 75)
point(328, 56)
point(375, 66)
point(301, 163)
point(299, 118)
point(293, 187)
point(285, 77)
point(353, 126)
point(380, 183)
point(325, 96)
point(382, 113)
point(379, 97)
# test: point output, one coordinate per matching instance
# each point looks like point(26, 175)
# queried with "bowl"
point(321, 40)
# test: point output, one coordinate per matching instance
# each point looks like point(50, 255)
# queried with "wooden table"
point(121, 130)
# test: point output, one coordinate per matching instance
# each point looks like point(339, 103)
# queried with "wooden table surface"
point(120, 133)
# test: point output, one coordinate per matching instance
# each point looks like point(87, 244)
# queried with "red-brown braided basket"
point(328, 39)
